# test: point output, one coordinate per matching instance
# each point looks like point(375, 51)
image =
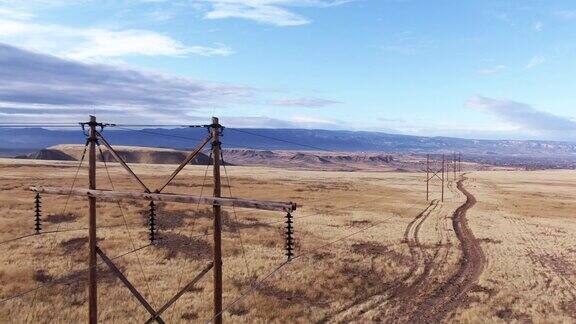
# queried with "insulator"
point(152, 222)
point(289, 237)
point(37, 213)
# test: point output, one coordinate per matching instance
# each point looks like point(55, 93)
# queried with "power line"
point(124, 219)
point(37, 125)
point(181, 272)
point(62, 231)
point(253, 287)
point(280, 140)
point(159, 134)
point(41, 286)
point(257, 284)
point(53, 245)
point(235, 217)
point(18, 238)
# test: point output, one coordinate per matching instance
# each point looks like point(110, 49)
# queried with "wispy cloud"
point(31, 81)
point(310, 102)
point(566, 14)
point(535, 61)
point(97, 43)
point(407, 43)
point(272, 12)
point(521, 115)
point(289, 122)
point(538, 26)
point(493, 70)
point(15, 14)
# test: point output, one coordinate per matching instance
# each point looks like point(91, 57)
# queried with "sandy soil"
point(368, 245)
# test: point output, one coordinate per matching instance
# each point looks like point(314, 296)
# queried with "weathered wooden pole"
point(443, 170)
point(217, 248)
point(454, 166)
point(427, 177)
point(92, 274)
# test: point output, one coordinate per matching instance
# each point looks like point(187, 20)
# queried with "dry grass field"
point(368, 245)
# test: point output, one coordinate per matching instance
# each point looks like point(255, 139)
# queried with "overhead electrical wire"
point(280, 140)
point(54, 282)
point(53, 245)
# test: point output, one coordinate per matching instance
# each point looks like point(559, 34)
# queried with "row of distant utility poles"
point(442, 173)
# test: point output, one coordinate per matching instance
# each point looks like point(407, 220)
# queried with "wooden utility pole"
point(217, 201)
point(427, 177)
point(443, 171)
point(454, 166)
point(92, 274)
point(433, 172)
point(217, 249)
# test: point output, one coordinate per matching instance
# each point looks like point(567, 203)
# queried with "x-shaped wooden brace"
point(155, 314)
point(186, 288)
point(434, 174)
point(189, 158)
point(111, 195)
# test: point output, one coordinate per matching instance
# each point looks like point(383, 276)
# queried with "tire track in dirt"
point(404, 302)
point(367, 302)
point(449, 296)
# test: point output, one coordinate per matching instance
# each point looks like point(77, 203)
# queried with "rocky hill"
point(130, 154)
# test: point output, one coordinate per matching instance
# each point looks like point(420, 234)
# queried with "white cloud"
point(15, 14)
point(535, 61)
point(32, 84)
point(566, 14)
point(310, 102)
point(538, 26)
point(273, 12)
point(97, 43)
point(494, 70)
point(100, 43)
point(521, 115)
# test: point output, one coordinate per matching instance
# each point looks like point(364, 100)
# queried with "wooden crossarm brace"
point(180, 293)
point(121, 161)
point(135, 195)
point(435, 174)
point(130, 287)
point(189, 158)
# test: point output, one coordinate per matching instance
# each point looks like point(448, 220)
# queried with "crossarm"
point(135, 195)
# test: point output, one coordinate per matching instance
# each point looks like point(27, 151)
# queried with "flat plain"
point(369, 247)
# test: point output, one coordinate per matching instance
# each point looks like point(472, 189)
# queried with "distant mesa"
point(337, 161)
point(130, 154)
point(48, 154)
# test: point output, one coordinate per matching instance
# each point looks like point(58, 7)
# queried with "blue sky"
point(477, 69)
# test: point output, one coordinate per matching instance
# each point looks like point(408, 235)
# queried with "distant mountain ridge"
point(129, 154)
point(12, 139)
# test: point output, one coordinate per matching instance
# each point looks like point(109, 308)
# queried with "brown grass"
point(522, 219)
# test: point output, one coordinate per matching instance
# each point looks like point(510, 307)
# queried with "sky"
point(490, 69)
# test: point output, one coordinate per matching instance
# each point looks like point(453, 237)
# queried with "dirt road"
point(432, 288)
point(450, 295)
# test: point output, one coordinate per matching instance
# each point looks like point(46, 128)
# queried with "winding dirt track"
point(421, 296)
point(365, 303)
point(449, 296)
